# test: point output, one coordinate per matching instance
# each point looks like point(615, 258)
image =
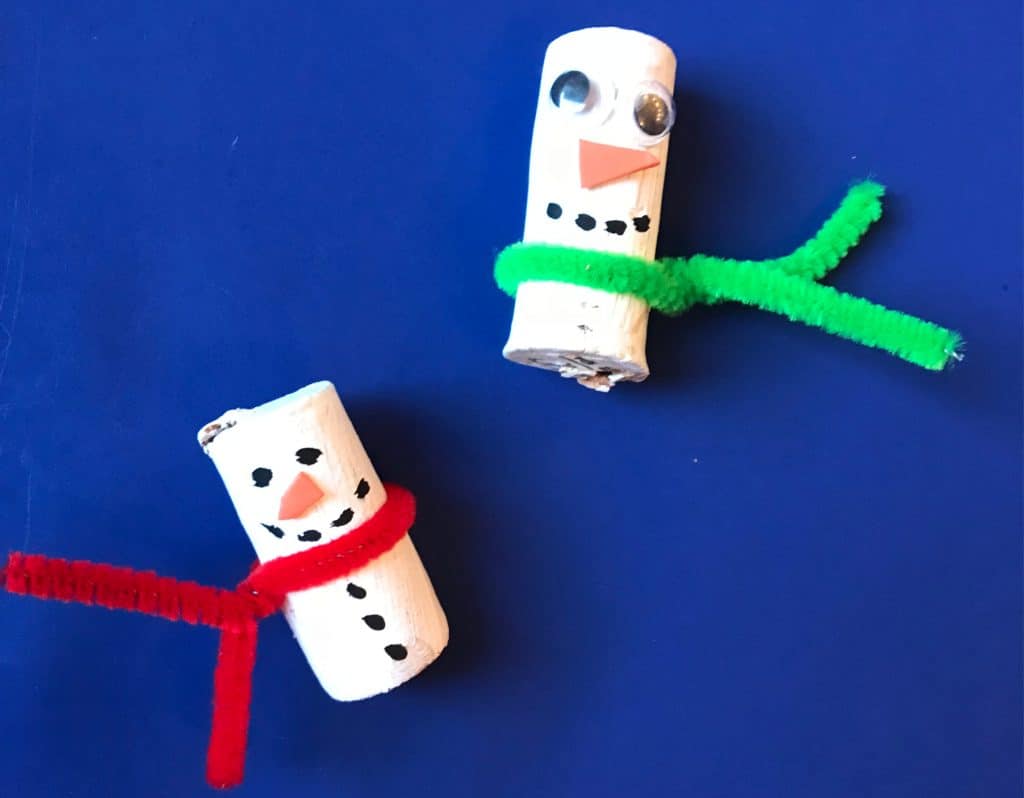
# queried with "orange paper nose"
point(302, 494)
point(602, 163)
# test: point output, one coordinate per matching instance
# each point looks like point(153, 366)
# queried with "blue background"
point(784, 566)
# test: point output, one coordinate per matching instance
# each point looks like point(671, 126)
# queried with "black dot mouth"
point(276, 531)
point(308, 536)
point(586, 222)
point(313, 535)
point(345, 518)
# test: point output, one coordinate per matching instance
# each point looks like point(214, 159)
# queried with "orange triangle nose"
point(602, 163)
point(302, 494)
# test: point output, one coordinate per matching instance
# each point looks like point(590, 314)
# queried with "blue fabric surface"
point(784, 566)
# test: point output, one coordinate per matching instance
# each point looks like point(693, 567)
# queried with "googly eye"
point(573, 92)
point(582, 97)
point(653, 111)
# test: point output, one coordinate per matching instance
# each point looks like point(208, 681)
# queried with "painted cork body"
point(298, 477)
point(597, 170)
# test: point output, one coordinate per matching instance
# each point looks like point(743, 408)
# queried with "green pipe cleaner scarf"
point(786, 285)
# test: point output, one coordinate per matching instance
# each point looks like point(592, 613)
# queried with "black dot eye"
point(572, 91)
point(261, 477)
point(344, 518)
point(308, 456)
point(362, 489)
point(653, 110)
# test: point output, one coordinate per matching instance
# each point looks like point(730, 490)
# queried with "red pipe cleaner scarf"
point(235, 613)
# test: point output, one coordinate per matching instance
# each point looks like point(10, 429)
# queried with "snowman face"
point(295, 470)
point(298, 505)
point(600, 141)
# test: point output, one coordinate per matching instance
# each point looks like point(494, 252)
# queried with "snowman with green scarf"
point(585, 276)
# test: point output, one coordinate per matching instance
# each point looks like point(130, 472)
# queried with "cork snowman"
point(299, 477)
point(597, 170)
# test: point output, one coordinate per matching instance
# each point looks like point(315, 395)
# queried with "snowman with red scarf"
point(300, 480)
